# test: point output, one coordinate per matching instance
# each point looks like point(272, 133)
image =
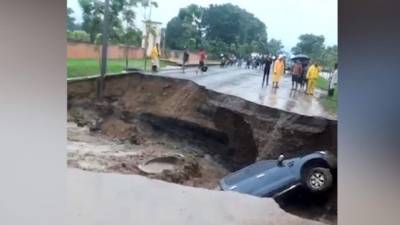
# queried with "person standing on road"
point(185, 59)
point(278, 71)
point(297, 70)
point(248, 62)
point(312, 76)
point(155, 53)
point(333, 80)
point(267, 68)
point(202, 58)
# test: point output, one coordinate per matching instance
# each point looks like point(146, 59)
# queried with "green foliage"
point(313, 46)
point(184, 30)
point(219, 29)
point(120, 12)
point(233, 25)
point(78, 36)
point(329, 103)
point(275, 46)
point(70, 20)
point(329, 57)
point(216, 47)
point(91, 14)
point(134, 37)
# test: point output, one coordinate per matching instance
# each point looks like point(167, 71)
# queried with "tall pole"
point(146, 45)
point(146, 42)
point(103, 68)
point(164, 42)
point(126, 50)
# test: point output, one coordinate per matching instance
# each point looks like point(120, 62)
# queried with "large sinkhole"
point(180, 132)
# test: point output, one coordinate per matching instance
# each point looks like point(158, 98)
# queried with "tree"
point(185, 29)
point(220, 29)
point(329, 56)
point(311, 45)
point(274, 46)
point(134, 37)
point(92, 10)
point(121, 11)
point(78, 36)
point(232, 24)
point(70, 20)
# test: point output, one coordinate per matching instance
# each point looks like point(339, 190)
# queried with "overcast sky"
point(285, 19)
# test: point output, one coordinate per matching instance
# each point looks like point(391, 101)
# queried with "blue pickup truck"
point(272, 178)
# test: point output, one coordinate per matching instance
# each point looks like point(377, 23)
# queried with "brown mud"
point(143, 117)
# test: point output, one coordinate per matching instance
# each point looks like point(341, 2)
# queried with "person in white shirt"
point(333, 78)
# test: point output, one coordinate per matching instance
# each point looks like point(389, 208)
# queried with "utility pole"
point(164, 42)
point(148, 27)
point(103, 68)
point(126, 51)
point(146, 44)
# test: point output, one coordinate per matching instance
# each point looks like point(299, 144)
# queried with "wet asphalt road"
point(246, 83)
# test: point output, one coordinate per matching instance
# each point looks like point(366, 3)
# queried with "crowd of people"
point(304, 74)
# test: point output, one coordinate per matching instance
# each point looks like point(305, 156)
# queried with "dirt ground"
point(209, 134)
point(111, 149)
point(103, 152)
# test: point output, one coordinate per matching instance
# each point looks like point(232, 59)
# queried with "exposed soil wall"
point(244, 131)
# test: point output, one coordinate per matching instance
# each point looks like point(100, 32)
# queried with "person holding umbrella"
point(278, 71)
point(304, 60)
point(297, 70)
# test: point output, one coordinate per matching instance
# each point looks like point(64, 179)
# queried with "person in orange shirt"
point(279, 68)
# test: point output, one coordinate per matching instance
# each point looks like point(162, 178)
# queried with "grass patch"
point(88, 67)
point(322, 83)
point(329, 103)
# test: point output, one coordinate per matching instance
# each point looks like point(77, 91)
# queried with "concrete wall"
point(152, 39)
point(91, 51)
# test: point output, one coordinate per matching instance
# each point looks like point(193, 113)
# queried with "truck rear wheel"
point(318, 179)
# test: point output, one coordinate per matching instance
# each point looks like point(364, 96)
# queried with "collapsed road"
point(147, 123)
point(246, 83)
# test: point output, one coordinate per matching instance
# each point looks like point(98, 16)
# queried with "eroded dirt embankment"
point(143, 116)
point(242, 130)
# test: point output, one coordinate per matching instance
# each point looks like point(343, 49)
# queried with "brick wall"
point(91, 51)
point(177, 56)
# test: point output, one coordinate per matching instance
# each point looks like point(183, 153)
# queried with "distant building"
point(154, 35)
